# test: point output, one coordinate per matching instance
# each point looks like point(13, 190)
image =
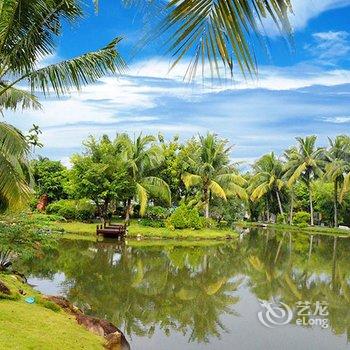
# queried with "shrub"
point(184, 217)
point(152, 223)
point(301, 218)
point(85, 210)
point(68, 211)
point(209, 223)
point(81, 209)
point(157, 213)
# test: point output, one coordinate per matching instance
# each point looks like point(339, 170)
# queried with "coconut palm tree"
point(28, 32)
point(305, 162)
point(268, 178)
point(338, 169)
point(210, 170)
point(14, 168)
point(141, 155)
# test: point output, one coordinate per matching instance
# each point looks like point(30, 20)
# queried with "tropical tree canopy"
point(141, 155)
point(268, 179)
point(28, 31)
point(211, 171)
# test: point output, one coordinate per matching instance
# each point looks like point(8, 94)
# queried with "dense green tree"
point(171, 166)
point(338, 169)
point(210, 170)
point(305, 162)
point(140, 156)
point(99, 174)
point(50, 177)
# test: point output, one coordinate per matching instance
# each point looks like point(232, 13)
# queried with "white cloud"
point(256, 116)
point(304, 11)
point(337, 120)
point(329, 47)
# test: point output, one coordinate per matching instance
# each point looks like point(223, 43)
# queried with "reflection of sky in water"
point(239, 328)
point(52, 286)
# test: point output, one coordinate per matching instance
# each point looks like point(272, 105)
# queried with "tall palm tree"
point(305, 162)
point(211, 171)
point(14, 168)
point(338, 169)
point(268, 178)
point(28, 32)
point(141, 155)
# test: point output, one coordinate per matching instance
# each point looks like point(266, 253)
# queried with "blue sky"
point(306, 91)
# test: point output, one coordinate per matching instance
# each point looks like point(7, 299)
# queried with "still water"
point(201, 296)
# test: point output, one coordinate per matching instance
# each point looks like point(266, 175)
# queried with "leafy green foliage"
point(184, 217)
point(50, 178)
point(157, 213)
point(81, 209)
point(22, 241)
point(210, 171)
point(301, 218)
point(99, 175)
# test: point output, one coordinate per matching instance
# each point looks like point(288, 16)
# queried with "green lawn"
point(34, 326)
point(309, 229)
point(78, 229)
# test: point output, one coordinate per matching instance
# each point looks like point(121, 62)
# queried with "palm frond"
point(296, 174)
point(14, 170)
point(345, 188)
point(191, 179)
point(158, 188)
point(77, 72)
point(259, 191)
point(12, 141)
point(14, 98)
point(236, 190)
point(217, 190)
point(216, 31)
point(142, 196)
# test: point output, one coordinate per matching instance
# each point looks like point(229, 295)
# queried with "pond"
point(265, 290)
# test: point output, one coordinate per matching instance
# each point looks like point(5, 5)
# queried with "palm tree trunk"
point(291, 208)
point(267, 211)
point(206, 203)
point(311, 205)
point(280, 206)
point(128, 211)
point(335, 203)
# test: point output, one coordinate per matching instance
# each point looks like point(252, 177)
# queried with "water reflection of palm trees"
point(189, 288)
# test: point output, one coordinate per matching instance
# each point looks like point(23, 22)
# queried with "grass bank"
point(41, 325)
point(79, 229)
point(309, 229)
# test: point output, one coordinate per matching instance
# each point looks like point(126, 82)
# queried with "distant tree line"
point(127, 174)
